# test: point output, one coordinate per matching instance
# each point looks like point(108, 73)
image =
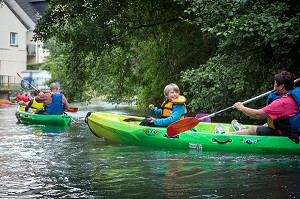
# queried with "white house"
point(18, 19)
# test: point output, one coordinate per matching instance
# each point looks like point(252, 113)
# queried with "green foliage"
point(221, 82)
point(120, 49)
point(34, 66)
point(256, 39)
point(218, 52)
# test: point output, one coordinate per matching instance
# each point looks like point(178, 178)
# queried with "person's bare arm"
point(254, 113)
point(65, 103)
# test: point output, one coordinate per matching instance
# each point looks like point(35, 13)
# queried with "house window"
point(14, 39)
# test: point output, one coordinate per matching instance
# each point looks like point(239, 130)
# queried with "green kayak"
point(126, 130)
point(31, 118)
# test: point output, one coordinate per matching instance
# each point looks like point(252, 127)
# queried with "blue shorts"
point(266, 131)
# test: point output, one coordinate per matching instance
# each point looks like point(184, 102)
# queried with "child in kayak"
point(172, 109)
point(34, 105)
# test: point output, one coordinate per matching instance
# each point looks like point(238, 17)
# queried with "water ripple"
point(49, 162)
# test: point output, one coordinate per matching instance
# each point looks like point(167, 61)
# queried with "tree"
point(256, 39)
point(218, 52)
point(122, 48)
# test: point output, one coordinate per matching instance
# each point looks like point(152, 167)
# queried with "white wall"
point(12, 58)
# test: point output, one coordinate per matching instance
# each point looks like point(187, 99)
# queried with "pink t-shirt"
point(281, 108)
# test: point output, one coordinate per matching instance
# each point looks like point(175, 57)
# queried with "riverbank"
point(10, 94)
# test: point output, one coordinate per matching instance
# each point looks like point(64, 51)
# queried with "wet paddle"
point(71, 109)
point(190, 122)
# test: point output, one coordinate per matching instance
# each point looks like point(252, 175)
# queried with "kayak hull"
point(201, 138)
point(31, 118)
point(4, 102)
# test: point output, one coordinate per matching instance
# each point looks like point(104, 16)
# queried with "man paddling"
point(54, 102)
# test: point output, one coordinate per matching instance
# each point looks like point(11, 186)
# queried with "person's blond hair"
point(53, 86)
point(170, 87)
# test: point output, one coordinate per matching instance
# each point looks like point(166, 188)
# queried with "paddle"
point(190, 122)
point(27, 82)
point(71, 109)
point(70, 117)
point(133, 119)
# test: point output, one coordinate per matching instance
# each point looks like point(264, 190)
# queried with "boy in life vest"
point(172, 109)
point(34, 105)
point(54, 102)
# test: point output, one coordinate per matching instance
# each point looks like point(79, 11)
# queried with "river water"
point(51, 162)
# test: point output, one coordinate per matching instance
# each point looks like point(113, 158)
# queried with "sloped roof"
point(27, 11)
point(33, 8)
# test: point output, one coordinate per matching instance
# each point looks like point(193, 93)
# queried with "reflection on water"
point(39, 161)
point(43, 130)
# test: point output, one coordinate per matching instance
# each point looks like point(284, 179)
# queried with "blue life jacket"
point(56, 107)
point(272, 96)
point(292, 124)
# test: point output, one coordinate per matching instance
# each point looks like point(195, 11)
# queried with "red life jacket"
point(26, 99)
point(19, 98)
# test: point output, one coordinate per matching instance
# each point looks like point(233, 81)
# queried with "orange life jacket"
point(167, 107)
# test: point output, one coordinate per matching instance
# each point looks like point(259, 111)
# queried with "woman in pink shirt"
point(278, 112)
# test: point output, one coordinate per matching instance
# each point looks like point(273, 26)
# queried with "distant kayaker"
point(26, 99)
point(19, 97)
point(34, 105)
point(172, 109)
point(54, 102)
point(282, 110)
